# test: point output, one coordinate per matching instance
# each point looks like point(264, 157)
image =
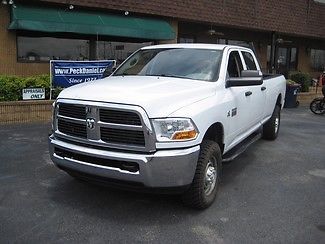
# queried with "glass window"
point(293, 59)
point(268, 53)
point(186, 40)
point(235, 65)
point(118, 51)
point(198, 64)
point(239, 43)
point(282, 56)
point(249, 60)
point(317, 57)
point(43, 49)
point(268, 57)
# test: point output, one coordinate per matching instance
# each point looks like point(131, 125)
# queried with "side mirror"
point(108, 71)
point(248, 78)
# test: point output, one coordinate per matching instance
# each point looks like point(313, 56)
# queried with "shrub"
point(301, 78)
point(291, 83)
point(11, 86)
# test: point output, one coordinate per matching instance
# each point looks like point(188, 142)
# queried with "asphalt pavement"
point(272, 193)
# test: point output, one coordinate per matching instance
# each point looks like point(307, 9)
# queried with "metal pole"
point(272, 58)
point(51, 83)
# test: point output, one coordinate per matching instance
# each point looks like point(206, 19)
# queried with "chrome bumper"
point(165, 168)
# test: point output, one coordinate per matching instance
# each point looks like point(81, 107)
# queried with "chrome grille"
point(105, 125)
point(72, 129)
point(119, 117)
point(122, 136)
point(74, 111)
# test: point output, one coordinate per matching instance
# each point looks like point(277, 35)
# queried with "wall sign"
point(33, 93)
point(69, 73)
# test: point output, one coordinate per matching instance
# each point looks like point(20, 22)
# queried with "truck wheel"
point(272, 126)
point(203, 189)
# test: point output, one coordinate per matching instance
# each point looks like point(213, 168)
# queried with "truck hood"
point(158, 96)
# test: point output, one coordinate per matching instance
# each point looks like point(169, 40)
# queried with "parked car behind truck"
point(167, 118)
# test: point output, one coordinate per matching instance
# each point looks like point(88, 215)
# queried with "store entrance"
point(286, 60)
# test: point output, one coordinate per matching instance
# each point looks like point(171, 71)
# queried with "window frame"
point(313, 65)
point(254, 60)
point(227, 62)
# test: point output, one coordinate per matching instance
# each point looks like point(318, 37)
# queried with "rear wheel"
point(203, 189)
point(317, 106)
point(272, 126)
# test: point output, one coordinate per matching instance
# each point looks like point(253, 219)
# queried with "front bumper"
point(162, 169)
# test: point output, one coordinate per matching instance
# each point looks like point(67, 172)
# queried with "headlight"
point(174, 129)
point(54, 107)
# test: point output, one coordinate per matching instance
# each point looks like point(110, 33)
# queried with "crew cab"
point(166, 119)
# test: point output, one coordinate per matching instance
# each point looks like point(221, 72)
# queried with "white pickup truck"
point(167, 118)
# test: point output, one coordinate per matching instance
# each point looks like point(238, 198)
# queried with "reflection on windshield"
point(198, 64)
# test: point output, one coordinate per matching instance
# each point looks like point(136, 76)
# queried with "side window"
point(235, 65)
point(249, 60)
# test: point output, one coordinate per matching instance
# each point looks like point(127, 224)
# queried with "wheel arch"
point(216, 133)
point(279, 100)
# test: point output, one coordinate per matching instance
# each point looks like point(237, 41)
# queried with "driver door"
point(238, 113)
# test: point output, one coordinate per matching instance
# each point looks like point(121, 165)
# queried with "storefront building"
point(286, 35)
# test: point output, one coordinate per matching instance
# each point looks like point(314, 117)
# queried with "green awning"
point(86, 22)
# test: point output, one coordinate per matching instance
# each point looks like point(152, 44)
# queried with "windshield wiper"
point(170, 75)
point(122, 74)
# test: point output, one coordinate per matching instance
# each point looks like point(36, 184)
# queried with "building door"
point(286, 60)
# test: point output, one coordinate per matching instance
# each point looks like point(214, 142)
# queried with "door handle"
point(248, 93)
point(263, 88)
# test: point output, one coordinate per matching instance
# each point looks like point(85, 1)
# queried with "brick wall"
point(8, 51)
point(25, 111)
point(298, 17)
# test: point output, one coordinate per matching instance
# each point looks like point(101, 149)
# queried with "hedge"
point(11, 86)
point(304, 79)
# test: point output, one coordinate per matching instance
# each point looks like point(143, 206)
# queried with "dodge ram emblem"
point(90, 123)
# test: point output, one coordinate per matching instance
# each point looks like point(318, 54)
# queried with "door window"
point(235, 65)
point(249, 60)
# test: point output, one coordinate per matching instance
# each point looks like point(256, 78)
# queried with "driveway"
point(272, 193)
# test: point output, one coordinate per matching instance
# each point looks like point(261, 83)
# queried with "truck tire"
point(203, 189)
point(272, 126)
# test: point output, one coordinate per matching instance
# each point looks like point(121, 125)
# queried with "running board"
point(241, 147)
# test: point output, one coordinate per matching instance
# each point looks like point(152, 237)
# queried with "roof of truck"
point(188, 45)
point(194, 45)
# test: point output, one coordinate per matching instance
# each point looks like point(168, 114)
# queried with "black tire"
point(199, 195)
point(317, 106)
point(272, 126)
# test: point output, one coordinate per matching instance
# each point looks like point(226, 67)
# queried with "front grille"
point(119, 117)
point(72, 129)
point(73, 111)
point(123, 165)
point(122, 136)
point(108, 126)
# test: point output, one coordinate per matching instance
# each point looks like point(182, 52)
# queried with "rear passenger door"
point(258, 97)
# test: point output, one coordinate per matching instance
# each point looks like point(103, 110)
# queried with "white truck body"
point(237, 110)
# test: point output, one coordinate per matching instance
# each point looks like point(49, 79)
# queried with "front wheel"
point(317, 106)
point(272, 126)
point(203, 189)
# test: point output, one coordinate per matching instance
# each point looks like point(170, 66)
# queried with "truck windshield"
point(189, 63)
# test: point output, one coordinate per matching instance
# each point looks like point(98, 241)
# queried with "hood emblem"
point(90, 123)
